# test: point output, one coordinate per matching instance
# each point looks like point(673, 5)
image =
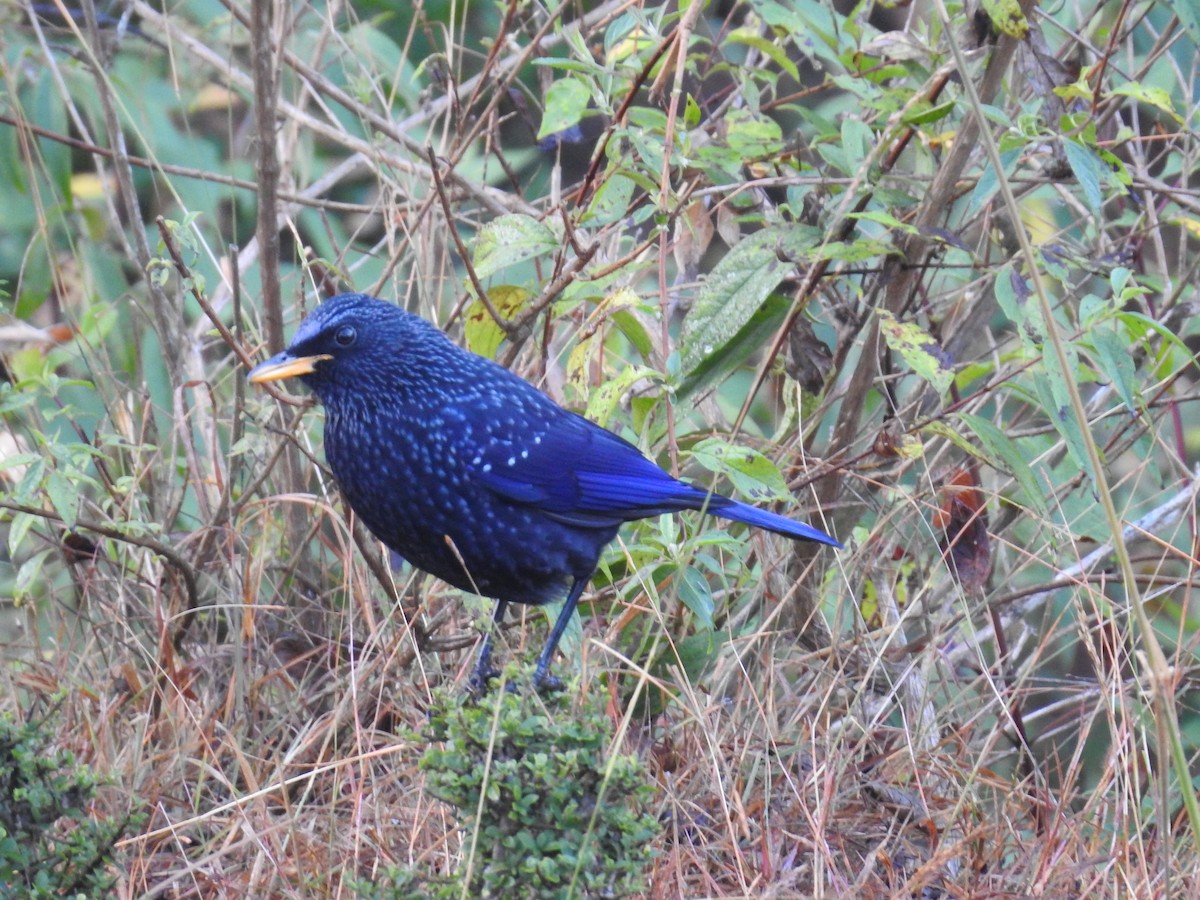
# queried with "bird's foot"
point(545, 683)
point(481, 679)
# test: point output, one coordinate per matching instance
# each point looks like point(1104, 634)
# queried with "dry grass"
point(216, 637)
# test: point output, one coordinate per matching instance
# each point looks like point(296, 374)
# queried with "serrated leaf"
point(737, 350)
point(510, 239)
point(753, 475)
point(921, 352)
point(482, 333)
point(731, 295)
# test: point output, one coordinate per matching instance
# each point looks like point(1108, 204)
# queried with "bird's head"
point(352, 342)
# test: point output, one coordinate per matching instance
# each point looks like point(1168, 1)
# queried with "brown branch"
point(263, 52)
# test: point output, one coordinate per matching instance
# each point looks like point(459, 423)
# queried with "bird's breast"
point(414, 480)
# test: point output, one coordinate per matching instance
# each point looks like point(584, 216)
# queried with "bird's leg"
point(542, 679)
point(483, 664)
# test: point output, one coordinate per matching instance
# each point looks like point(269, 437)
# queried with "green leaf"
point(372, 50)
point(693, 653)
point(988, 181)
point(1007, 17)
point(813, 27)
point(734, 292)
point(752, 474)
point(635, 331)
point(1151, 96)
point(858, 250)
point(64, 497)
point(857, 140)
point(696, 595)
point(1113, 357)
point(926, 114)
point(1089, 172)
point(566, 102)
point(1012, 295)
point(1188, 12)
point(27, 489)
point(1001, 448)
point(769, 49)
point(511, 239)
point(734, 353)
point(28, 576)
point(920, 351)
point(1050, 382)
point(605, 399)
point(18, 528)
point(18, 460)
point(751, 135)
point(48, 110)
point(885, 219)
point(483, 334)
point(612, 200)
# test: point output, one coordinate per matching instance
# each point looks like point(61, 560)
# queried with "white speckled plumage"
point(471, 473)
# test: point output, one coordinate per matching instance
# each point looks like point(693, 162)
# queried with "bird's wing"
point(580, 474)
point(577, 473)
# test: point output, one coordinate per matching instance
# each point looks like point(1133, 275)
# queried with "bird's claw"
point(545, 683)
point(480, 680)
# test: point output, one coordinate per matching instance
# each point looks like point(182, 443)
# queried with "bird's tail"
point(761, 518)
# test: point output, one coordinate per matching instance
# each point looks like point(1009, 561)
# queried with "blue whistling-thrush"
point(471, 473)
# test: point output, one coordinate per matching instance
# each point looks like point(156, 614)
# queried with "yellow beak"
point(283, 366)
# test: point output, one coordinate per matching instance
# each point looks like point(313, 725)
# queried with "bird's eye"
point(345, 336)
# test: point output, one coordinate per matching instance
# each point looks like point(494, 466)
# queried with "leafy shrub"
point(49, 847)
point(548, 809)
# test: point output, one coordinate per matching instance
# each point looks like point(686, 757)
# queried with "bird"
point(471, 473)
